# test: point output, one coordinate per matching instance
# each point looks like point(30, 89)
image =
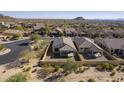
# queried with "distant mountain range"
point(6, 18)
point(120, 19)
point(79, 18)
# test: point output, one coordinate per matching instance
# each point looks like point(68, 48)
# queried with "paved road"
point(16, 48)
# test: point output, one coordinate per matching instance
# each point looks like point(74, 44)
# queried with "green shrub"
point(91, 80)
point(19, 28)
point(35, 37)
point(27, 69)
point(105, 66)
point(26, 55)
point(57, 67)
point(48, 69)
point(2, 46)
point(17, 36)
point(81, 81)
point(61, 80)
point(70, 65)
point(19, 77)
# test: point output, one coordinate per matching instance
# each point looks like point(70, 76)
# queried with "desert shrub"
point(2, 46)
point(60, 70)
point(70, 65)
point(105, 66)
point(113, 81)
point(81, 81)
point(26, 55)
point(17, 36)
point(35, 37)
point(34, 70)
point(113, 73)
point(80, 70)
point(27, 69)
point(91, 80)
point(19, 77)
point(48, 69)
point(57, 67)
point(41, 74)
point(45, 71)
point(40, 54)
point(19, 28)
point(60, 80)
point(122, 78)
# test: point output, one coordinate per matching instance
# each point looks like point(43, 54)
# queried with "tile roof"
point(114, 43)
point(86, 42)
point(64, 41)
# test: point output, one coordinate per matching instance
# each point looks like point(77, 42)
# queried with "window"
point(56, 49)
point(112, 51)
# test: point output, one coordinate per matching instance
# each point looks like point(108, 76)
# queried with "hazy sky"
point(65, 14)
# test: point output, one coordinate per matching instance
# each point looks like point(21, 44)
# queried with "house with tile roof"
point(63, 46)
point(87, 46)
point(70, 32)
point(113, 45)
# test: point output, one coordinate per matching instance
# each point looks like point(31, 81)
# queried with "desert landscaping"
point(61, 50)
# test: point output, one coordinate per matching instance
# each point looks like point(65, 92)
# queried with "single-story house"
point(70, 32)
point(39, 28)
point(81, 33)
point(87, 46)
point(57, 31)
point(113, 45)
point(28, 25)
point(5, 25)
point(63, 46)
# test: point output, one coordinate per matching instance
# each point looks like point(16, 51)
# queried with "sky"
point(65, 14)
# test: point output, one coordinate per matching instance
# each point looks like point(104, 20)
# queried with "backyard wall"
point(45, 52)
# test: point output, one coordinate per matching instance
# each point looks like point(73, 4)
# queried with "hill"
point(79, 18)
point(7, 18)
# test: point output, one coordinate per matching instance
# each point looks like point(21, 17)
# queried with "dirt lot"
point(96, 75)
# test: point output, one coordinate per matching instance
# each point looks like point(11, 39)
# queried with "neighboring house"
point(56, 32)
point(87, 46)
point(114, 33)
point(113, 46)
point(5, 25)
point(70, 32)
point(63, 46)
point(81, 33)
point(28, 25)
point(39, 28)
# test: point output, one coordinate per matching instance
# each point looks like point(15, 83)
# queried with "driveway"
point(16, 48)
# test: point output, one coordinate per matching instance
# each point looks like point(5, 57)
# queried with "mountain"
point(1, 15)
point(120, 19)
point(6, 18)
point(79, 18)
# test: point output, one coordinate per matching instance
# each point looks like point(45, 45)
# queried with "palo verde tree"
point(35, 38)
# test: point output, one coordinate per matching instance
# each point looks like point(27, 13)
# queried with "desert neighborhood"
point(61, 50)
